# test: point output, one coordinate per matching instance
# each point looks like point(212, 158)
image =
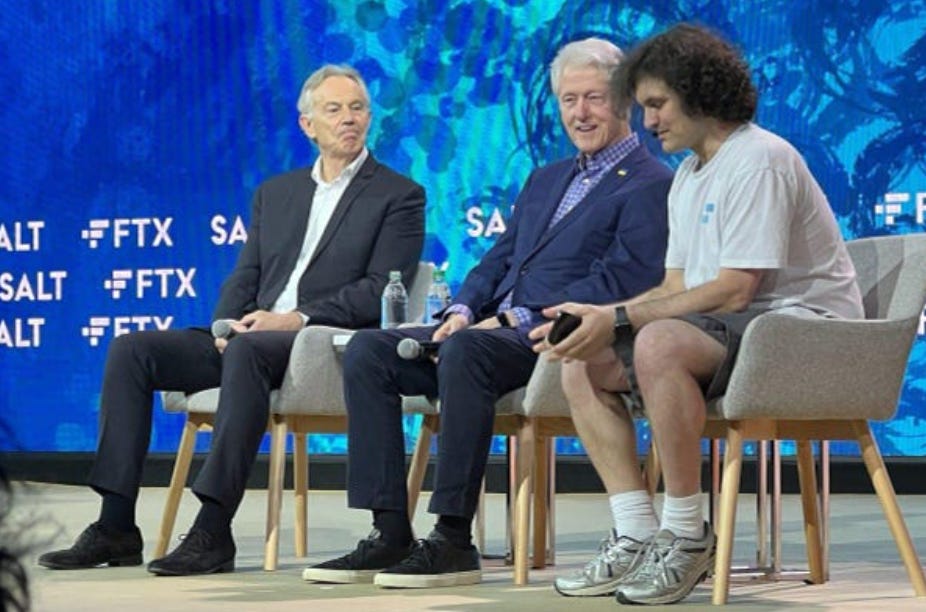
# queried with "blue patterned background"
point(179, 109)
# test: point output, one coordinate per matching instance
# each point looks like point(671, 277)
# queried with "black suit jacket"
point(377, 226)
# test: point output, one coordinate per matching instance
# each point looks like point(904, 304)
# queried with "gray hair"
point(590, 52)
point(306, 96)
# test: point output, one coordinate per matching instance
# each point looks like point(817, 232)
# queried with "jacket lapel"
point(613, 180)
point(357, 185)
point(557, 192)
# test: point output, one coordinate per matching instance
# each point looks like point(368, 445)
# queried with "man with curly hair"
point(750, 232)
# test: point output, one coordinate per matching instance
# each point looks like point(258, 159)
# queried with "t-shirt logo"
point(707, 212)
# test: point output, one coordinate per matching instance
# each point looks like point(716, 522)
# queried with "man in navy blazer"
point(320, 246)
point(592, 226)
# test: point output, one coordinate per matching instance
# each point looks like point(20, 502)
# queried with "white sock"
point(634, 515)
point(683, 516)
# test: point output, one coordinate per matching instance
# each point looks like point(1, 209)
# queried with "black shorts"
point(726, 328)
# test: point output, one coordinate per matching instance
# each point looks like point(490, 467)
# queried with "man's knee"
point(462, 349)
point(655, 348)
point(575, 380)
point(367, 347)
point(129, 347)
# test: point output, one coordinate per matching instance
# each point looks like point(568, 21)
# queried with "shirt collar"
point(609, 156)
point(346, 175)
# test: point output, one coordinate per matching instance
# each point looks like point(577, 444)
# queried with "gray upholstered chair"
point(310, 400)
point(808, 379)
point(801, 379)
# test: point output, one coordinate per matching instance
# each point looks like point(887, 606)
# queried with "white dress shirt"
point(326, 198)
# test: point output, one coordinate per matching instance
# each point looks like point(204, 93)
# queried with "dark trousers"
point(475, 368)
point(186, 360)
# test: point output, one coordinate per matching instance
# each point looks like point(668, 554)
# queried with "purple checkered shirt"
point(590, 169)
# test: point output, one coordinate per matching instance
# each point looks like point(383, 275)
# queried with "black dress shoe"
point(200, 552)
point(98, 544)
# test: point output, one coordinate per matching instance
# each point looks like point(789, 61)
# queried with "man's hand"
point(588, 340)
point(261, 320)
point(450, 326)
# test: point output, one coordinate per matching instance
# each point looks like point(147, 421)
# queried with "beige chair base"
point(803, 432)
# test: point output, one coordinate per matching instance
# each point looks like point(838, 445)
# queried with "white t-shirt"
point(755, 205)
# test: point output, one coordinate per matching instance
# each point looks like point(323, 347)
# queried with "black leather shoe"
point(98, 544)
point(199, 553)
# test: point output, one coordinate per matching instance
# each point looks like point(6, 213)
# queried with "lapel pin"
point(621, 172)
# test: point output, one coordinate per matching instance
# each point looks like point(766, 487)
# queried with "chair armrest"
point(313, 380)
point(544, 395)
point(802, 367)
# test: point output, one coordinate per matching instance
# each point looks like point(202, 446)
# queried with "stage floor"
point(865, 573)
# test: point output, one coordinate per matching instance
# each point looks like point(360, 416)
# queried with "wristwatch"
point(623, 328)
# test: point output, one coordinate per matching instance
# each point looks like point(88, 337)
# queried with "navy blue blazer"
point(610, 247)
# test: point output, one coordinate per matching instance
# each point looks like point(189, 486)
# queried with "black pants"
point(186, 360)
point(475, 368)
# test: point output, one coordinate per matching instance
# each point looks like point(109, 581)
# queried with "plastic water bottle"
point(395, 302)
point(438, 296)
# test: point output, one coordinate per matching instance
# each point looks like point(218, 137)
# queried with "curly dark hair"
point(707, 73)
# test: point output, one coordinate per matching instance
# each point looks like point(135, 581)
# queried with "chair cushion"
point(206, 401)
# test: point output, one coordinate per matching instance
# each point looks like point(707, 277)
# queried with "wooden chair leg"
point(275, 491)
point(729, 491)
point(885, 490)
point(177, 484)
point(551, 503)
point(480, 518)
point(300, 491)
point(524, 460)
point(808, 483)
point(419, 462)
point(540, 479)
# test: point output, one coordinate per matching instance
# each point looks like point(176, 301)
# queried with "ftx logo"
point(901, 204)
point(98, 327)
point(142, 232)
point(166, 282)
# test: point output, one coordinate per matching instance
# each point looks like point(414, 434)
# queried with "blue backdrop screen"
point(136, 132)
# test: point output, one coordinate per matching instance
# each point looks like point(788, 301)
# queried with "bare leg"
point(602, 421)
point(671, 358)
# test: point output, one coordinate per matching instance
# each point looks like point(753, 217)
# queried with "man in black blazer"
point(320, 247)
point(592, 225)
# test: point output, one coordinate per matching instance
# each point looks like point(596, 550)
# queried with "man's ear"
point(308, 128)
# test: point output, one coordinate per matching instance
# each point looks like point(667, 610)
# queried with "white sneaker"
point(670, 568)
point(616, 556)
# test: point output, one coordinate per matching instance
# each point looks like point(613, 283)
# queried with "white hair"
point(305, 102)
point(590, 52)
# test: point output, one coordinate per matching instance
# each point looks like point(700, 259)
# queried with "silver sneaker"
point(616, 556)
point(669, 570)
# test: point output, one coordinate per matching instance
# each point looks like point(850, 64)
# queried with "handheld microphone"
point(412, 350)
point(222, 328)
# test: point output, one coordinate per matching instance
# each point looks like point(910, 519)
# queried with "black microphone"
point(412, 350)
point(222, 328)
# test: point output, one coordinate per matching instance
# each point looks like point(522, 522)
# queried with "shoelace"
point(605, 552)
point(423, 549)
point(648, 552)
